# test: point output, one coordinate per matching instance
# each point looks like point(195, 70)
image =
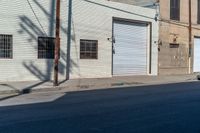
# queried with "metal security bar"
point(6, 46)
point(88, 49)
point(46, 47)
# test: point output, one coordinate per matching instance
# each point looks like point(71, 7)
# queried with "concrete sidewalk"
point(90, 84)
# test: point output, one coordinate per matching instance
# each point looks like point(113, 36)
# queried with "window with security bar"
point(88, 49)
point(6, 42)
point(46, 47)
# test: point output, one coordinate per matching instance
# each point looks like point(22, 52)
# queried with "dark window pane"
point(94, 49)
point(94, 55)
point(88, 49)
point(5, 46)
point(82, 48)
point(175, 9)
point(87, 55)
point(46, 47)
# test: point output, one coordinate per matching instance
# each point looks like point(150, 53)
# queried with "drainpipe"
point(190, 35)
point(69, 39)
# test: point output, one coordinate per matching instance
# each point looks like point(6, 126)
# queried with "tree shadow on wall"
point(32, 29)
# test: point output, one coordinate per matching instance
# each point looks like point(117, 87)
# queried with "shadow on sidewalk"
point(25, 90)
point(28, 89)
point(16, 92)
point(10, 86)
point(8, 97)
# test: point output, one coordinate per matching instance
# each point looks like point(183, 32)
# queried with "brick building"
point(177, 54)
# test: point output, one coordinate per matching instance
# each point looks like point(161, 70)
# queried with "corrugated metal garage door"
point(130, 48)
point(196, 65)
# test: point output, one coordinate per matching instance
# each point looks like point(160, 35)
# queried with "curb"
point(85, 87)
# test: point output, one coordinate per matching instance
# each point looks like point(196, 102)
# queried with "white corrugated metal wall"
point(91, 19)
point(17, 19)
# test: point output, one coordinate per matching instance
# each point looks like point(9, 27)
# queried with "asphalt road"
point(171, 108)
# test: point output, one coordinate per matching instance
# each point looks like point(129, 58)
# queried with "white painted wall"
point(92, 19)
point(17, 19)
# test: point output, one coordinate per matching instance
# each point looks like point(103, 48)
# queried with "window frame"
point(175, 10)
point(46, 50)
point(11, 47)
point(90, 51)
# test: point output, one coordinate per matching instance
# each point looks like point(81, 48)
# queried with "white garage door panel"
point(130, 57)
point(196, 65)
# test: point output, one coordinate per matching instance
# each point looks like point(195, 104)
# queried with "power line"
point(36, 17)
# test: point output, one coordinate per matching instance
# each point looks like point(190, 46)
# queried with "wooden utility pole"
point(57, 44)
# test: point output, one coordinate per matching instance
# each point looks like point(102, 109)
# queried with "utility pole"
point(57, 44)
point(190, 34)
